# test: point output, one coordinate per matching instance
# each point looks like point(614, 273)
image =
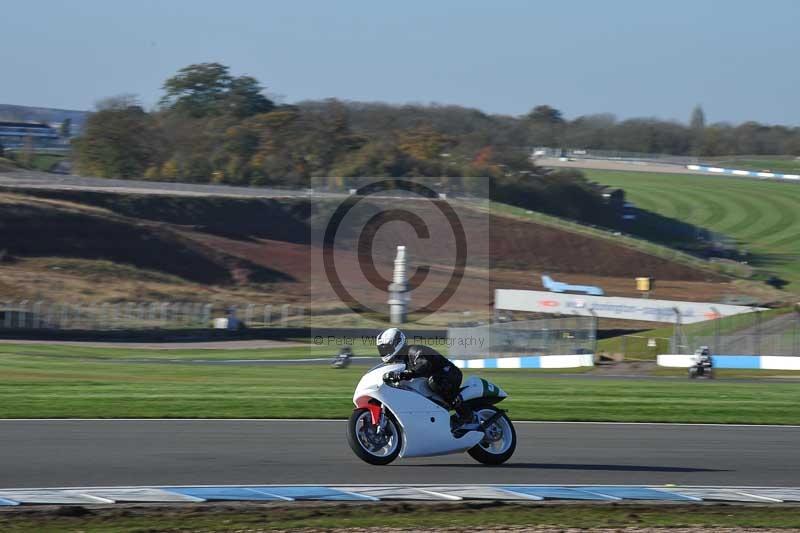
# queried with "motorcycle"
point(701, 371)
point(407, 419)
point(342, 359)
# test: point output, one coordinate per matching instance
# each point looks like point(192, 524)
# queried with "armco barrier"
point(743, 173)
point(529, 361)
point(753, 362)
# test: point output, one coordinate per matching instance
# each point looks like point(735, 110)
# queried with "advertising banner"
point(614, 306)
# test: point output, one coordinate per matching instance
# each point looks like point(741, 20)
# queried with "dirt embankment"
point(33, 228)
point(237, 242)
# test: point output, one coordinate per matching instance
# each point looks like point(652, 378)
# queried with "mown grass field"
point(64, 382)
point(762, 216)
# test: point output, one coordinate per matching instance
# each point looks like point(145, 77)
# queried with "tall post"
point(207, 311)
point(796, 336)
point(105, 313)
point(593, 331)
point(22, 313)
point(37, 314)
point(164, 314)
point(676, 332)
point(757, 337)
point(398, 289)
point(285, 315)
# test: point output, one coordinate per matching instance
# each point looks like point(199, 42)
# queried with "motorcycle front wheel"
point(370, 445)
point(499, 441)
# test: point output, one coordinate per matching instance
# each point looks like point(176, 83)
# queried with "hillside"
point(760, 218)
point(109, 247)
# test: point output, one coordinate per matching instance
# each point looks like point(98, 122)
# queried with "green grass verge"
point(763, 217)
point(419, 516)
point(88, 353)
point(41, 162)
point(60, 385)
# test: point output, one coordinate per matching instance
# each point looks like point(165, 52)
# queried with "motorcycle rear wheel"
point(500, 441)
point(363, 443)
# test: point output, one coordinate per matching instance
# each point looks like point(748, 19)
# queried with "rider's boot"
point(467, 419)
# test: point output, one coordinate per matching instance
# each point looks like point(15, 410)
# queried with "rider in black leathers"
point(444, 378)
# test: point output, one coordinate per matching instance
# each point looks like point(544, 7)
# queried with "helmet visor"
point(385, 350)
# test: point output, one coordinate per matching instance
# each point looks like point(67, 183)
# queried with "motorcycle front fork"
point(381, 421)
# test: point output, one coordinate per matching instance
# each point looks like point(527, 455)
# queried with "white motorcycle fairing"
point(425, 424)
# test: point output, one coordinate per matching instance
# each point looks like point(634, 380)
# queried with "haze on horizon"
point(629, 58)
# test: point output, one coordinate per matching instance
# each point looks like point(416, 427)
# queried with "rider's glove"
point(394, 377)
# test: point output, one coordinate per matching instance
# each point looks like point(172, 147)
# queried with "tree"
point(423, 143)
point(375, 159)
point(208, 89)
point(545, 125)
point(66, 128)
point(697, 122)
point(544, 114)
point(197, 89)
point(697, 129)
point(245, 99)
point(119, 140)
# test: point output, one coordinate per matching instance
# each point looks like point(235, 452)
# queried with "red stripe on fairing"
point(365, 402)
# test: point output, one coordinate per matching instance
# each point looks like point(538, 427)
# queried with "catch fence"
point(614, 155)
point(758, 333)
point(46, 315)
point(547, 336)
point(748, 334)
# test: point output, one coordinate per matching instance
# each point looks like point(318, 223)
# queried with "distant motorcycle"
point(701, 371)
point(703, 366)
point(343, 358)
point(407, 419)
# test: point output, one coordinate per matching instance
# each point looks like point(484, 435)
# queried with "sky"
point(738, 59)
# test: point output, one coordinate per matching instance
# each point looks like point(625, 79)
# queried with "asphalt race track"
point(51, 453)
point(30, 179)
